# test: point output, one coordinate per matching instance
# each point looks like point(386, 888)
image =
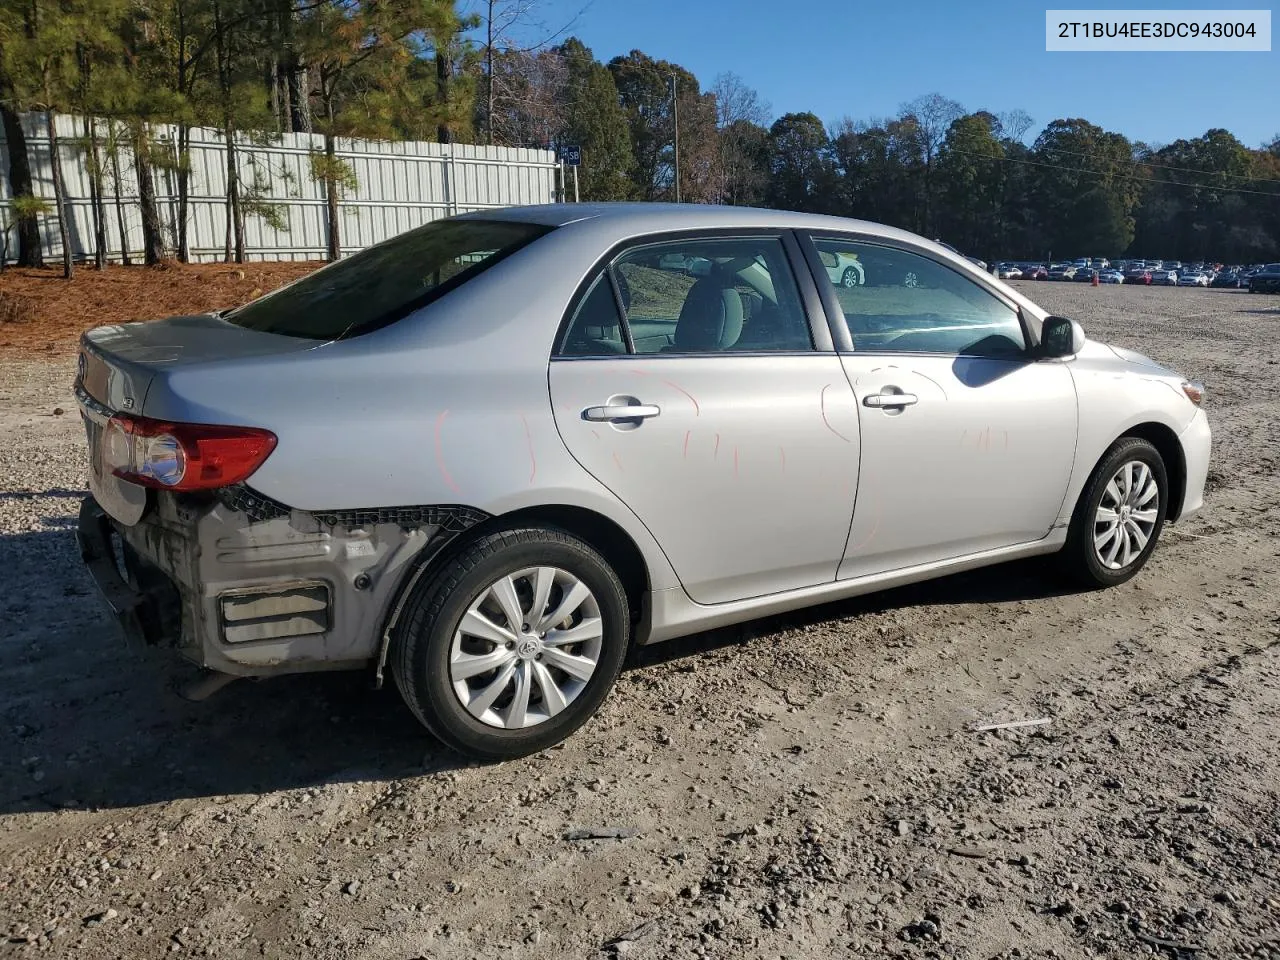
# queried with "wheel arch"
point(617, 547)
point(595, 529)
point(1168, 446)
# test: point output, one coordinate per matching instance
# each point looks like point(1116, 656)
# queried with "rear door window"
point(697, 296)
point(383, 283)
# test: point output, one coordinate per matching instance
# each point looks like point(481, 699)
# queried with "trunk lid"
point(118, 363)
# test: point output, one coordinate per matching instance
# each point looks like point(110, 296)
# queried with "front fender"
point(1114, 399)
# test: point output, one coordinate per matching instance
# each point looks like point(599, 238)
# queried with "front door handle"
point(889, 400)
point(630, 411)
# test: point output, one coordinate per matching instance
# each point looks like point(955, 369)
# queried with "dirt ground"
point(40, 312)
point(807, 787)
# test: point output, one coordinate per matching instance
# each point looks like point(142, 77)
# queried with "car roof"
point(643, 217)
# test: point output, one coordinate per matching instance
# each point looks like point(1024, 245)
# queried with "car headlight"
point(1194, 391)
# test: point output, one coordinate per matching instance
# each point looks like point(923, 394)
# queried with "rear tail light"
point(182, 456)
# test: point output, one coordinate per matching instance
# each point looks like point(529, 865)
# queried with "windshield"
point(383, 283)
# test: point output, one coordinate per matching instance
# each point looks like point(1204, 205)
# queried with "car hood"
point(1139, 360)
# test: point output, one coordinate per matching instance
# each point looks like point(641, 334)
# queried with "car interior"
point(910, 304)
point(711, 297)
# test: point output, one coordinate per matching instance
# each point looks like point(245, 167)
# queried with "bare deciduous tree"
point(932, 116)
point(1014, 124)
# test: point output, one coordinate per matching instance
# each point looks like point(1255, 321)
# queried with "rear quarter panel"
point(449, 406)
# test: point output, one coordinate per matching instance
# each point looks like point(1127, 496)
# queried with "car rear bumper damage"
point(245, 586)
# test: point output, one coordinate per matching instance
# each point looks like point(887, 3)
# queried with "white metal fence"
point(400, 185)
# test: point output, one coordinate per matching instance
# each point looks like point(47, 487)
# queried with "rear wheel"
point(1119, 516)
point(514, 644)
point(850, 277)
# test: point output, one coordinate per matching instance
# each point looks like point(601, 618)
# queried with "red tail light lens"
point(182, 456)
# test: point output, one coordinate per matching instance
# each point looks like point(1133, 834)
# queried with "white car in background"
point(844, 270)
point(1166, 278)
point(1111, 276)
point(1193, 280)
point(1009, 271)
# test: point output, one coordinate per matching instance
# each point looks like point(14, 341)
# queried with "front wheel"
point(513, 644)
point(850, 278)
point(1119, 516)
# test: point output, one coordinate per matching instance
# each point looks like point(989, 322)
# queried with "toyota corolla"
point(491, 454)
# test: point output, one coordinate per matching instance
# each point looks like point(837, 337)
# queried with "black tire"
point(850, 277)
point(421, 646)
point(1079, 559)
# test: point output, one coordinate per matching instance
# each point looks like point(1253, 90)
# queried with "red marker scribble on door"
point(697, 410)
point(822, 405)
point(687, 434)
point(444, 471)
point(875, 526)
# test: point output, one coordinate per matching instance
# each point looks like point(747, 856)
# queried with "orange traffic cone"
point(1095, 278)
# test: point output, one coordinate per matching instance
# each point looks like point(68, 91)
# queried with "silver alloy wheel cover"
point(510, 677)
point(911, 280)
point(850, 277)
point(1126, 515)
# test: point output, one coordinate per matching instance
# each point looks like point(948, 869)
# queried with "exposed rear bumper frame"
point(139, 611)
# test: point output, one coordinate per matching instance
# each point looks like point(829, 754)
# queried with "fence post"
point(451, 179)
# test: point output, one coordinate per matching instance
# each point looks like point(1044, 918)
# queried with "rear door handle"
point(635, 411)
point(884, 400)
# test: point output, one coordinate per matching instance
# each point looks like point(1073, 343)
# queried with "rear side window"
point(694, 297)
point(383, 283)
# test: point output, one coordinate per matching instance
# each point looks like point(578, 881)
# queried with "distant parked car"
point(1037, 272)
point(1138, 275)
point(1063, 271)
point(1266, 280)
point(1191, 278)
point(1009, 271)
point(1228, 278)
point(1165, 278)
point(1111, 276)
point(844, 270)
point(1085, 275)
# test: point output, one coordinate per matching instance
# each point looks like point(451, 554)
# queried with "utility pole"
point(675, 124)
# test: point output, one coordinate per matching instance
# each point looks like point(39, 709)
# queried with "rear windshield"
point(381, 284)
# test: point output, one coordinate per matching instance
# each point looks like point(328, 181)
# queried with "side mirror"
point(1061, 337)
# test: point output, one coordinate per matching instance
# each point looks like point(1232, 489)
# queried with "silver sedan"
point(491, 454)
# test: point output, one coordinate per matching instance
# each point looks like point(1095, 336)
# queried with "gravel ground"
point(803, 787)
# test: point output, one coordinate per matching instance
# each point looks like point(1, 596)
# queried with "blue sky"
point(862, 59)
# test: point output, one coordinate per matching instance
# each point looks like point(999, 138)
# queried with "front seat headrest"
point(711, 318)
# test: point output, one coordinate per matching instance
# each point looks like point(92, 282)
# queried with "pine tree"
point(343, 43)
point(594, 119)
point(40, 45)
